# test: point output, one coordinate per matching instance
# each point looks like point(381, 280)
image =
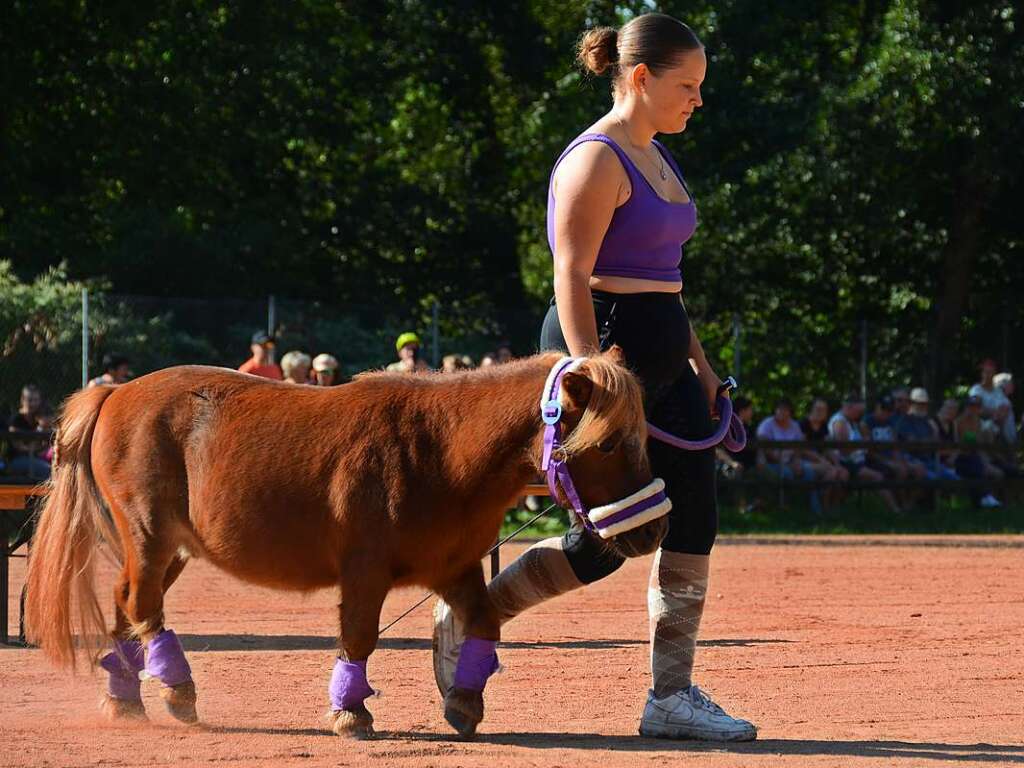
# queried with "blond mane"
point(616, 405)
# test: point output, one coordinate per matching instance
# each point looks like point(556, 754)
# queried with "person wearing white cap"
point(325, 370)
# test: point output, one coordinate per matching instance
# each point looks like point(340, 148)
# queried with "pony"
point(391, 480)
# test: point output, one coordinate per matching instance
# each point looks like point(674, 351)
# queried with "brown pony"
point(391, 480)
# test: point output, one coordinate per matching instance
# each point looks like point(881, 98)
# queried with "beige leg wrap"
point(540, 573)
point(675, 603)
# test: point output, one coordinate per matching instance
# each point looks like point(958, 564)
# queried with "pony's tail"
point(61, 583)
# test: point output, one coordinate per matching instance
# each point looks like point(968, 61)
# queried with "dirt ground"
point(895, 652)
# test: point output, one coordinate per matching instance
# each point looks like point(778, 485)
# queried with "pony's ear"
point(616, 355)
point(579, 388)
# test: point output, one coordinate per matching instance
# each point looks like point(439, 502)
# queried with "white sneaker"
point(690, 714)
point(988, 501)
point(446, 641)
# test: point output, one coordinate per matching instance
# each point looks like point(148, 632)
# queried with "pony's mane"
point(616, 405)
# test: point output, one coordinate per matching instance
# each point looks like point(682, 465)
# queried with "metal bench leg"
point(5, 587)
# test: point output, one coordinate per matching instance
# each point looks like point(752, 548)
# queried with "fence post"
point(434, 335)
point(736, 343)
point(271, 320)
point(85, 337)
point(864, 358)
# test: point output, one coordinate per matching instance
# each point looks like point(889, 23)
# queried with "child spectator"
point(408, 348)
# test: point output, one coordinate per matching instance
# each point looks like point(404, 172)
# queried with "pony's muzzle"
point(647, 504)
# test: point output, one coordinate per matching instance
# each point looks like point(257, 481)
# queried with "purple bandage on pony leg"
point(478, 660)
point(124, 664)
point(349, 687)
point(165, 659)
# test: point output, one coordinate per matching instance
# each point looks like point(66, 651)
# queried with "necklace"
point(661, 157)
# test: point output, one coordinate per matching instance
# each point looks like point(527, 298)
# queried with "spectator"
point(995, 406)
point(901, 406)
point(295, 367)
point(844, 426)
point(826, 463)
point(888, 461)
point(325, 370)
point(115, 371)
point(488, 360)
point(787, 463)
point(1004, 381)
point(735, 464)
point(27, 456)
point(975, 465)
point(504, 353)
point(261, 363)
point(945, 428)
point(453, 363)
point(409, 361)
point(917, 427)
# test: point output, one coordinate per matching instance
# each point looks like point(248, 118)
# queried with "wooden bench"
point(15, 499)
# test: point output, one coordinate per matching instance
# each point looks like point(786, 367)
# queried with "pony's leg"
point(464, 703)
point(152, 574)
point(363, 589)
point(123, 700)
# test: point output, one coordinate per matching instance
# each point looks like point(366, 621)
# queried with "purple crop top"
point(647, 232)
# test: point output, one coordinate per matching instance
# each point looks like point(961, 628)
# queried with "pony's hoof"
point(352, 723)
point(122, 709)
point(181, 701)
point(464, 709)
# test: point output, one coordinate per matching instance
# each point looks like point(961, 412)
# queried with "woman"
point(826, 463)
point(30, 457)
point(975, 465)
point(295, 367)
point(619, 213)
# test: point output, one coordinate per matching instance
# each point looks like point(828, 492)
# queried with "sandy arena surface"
point(871, 651)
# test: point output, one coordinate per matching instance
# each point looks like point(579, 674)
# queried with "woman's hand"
point(710, 382)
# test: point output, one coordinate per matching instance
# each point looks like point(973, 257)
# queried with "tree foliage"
point(855, 162)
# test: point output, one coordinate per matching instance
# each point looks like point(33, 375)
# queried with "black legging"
point(654, 333)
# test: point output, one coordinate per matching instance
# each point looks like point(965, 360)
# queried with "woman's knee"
point(591, 560)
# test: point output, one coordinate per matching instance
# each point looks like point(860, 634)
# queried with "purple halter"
point(610, 520)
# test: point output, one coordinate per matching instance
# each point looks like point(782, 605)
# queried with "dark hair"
point(740, 403)
point(653, 39)
point(784, 402)
point(112, 361)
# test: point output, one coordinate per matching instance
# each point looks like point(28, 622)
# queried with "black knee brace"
point(591, 559)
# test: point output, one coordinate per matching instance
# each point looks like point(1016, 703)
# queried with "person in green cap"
point(409, 360)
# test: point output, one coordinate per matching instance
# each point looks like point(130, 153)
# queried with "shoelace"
point(697, 696)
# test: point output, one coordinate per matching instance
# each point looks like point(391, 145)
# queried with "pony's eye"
point(608, 446)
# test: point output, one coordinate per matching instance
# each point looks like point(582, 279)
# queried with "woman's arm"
point(708, 378)
point(587, 187)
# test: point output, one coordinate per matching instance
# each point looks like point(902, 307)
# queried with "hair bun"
point(597, 50)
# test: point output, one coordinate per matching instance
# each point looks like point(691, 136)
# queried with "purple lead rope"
point(730, 433)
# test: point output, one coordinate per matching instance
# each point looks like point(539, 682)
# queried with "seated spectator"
point(787, 463)
point(262, 362)
point(735, 464)
point(408, 348)
point(901, 406)
point(29, 457)
point(995, 406)
point(488, 360)
point(115, 371)
point(889, 461)
point(503, 353)
point(295, 367)
point(917, 427)
point(975, 465)
point(826, 463)
point(945, 427)
point(844, 426)
point(325, 370)
point(1004, 381)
